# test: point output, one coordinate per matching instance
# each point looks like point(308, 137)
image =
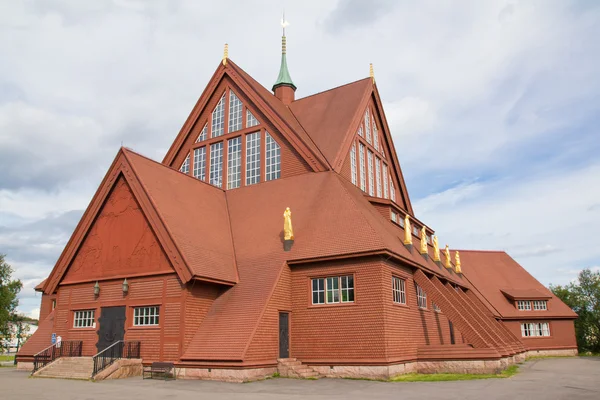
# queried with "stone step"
point(290, 363)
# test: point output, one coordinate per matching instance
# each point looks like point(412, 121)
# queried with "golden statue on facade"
point(423, 241)
point(407, 232)
point(436, 249)
point(447, 260)
point(457, 263)
point(288, 232)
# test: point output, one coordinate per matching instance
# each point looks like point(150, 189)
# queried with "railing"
point(117, 350)
point(65, 348)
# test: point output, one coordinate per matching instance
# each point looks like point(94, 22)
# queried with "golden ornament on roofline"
point(225, 54)
point(423, 241)
point(447, 263)
point(372, 72)
point(407, 232)
point(436, 249)
point(457, 262)
point(288, 232)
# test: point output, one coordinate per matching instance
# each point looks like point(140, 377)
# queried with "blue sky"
point(493, 105)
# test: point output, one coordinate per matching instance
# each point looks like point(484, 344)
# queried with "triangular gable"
point(122, 168)
point(263, 105)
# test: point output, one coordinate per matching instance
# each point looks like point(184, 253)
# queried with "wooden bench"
point(165, 369)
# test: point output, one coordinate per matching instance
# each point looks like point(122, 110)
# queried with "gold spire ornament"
point(225, 54)
point(436, 249)
point(371, 72)
point(423, 241)
point(288, 232)
point(457, 263)
point(447, 260)
point(407, 232)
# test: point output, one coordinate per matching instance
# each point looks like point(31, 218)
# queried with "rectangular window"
point(371, 175)
point(334, 289)
point(203, 134)
point(273, 158)
point(145, 316)
point(361, 163)
point(360, 131)
point(392, 189)
point(436, 308)
point(200, 163)
point(235, 113)
point(84, 319)
point(250, 119)
point(375, 136)
point(385, 179)
point(378, 175)
point(234, 163)
point(524, 305)
point(368, 126)
point(535, 329)
point(218, 118)
point(398, 292)
point(353, 163)
point(318, 291)
point(252, 158)
point(185, 167)
point(421, 297)
point(216, 164)
point(540, 305)
point(394, 217)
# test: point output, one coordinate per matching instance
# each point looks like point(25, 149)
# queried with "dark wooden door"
point(284, 335)
point(112, 326)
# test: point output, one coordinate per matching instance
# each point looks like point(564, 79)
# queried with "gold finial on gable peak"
point(372, 72)
point(407, 231)
point(447, 263)
point(225, 54)
point(436, 249)
point(457, 262)
point(423, 241)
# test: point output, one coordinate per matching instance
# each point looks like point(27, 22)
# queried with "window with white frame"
point(385, 180)
point(216, 164)
point(353, 163)
point(371, 173)
point(361, 164)
point(200, 163)
point(367, 126)
point(202, 136)
point(273, 158)
point(145, 316)
point(218, 119)
point(378, 175)
point(250, 119)
point(392, 189)
point(252, 158)
point(540, 305)
point(398, 290)
point(334, 289)
point(234, 163)
point(185, 167)
point(375, 136)
point(235, 113)
point(535, 329)
point(524, 305)
point(421, 297)
point(394, 217)
point(360, 131)
point(84, 319)
point(436, 308)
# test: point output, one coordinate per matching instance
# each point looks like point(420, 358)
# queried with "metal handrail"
point(65, 348)
point(119, 349)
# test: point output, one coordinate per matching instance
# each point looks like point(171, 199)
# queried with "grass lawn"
point(7, 358)
point(507, 373)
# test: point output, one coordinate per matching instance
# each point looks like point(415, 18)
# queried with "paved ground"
point(569, 378)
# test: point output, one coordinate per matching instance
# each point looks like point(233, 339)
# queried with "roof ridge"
point(480, 251)
point(329, 90)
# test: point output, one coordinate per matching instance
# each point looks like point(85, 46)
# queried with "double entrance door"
point(112, 326)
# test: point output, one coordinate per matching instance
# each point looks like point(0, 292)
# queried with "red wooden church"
point(188, 259)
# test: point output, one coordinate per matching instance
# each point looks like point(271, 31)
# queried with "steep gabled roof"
point(492, 272)
point(277, 114)
point(188, 217)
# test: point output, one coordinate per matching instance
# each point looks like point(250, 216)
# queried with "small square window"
point(145, 316)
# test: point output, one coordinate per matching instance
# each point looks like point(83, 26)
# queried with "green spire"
point(284, 77)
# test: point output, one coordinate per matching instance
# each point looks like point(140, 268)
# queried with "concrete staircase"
point(292, 368)
point(68, 368)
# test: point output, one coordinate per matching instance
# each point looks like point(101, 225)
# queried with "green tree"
point(583, 296)
point(8, 296)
